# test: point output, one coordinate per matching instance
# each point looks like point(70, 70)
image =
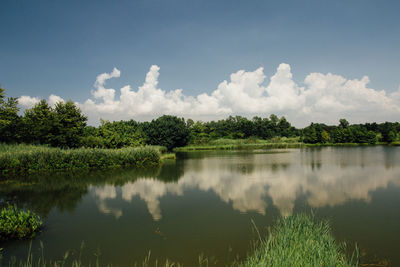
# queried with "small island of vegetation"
point(18, 224)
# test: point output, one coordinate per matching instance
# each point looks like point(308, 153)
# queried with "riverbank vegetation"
point(28, 159)
point(65, 126)
point(250, 143)
point(18, 224)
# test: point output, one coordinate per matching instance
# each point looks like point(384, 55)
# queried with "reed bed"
point(250, 143)
point(299, 241)
point(27, 159)
point(239, 146)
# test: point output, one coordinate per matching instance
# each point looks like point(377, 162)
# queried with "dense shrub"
point(168, 131)
point(17, 224)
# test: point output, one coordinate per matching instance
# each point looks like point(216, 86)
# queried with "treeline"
point(65, 126)
point(368, 133)
point(239, 127)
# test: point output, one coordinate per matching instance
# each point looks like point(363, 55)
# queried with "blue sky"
point(60, 47)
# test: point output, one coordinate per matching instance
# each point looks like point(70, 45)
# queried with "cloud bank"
point(319, 98)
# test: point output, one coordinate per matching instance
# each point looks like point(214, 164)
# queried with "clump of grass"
point(167, 156)
point(161, 149)
point(299, 241)
point(18, 224)
point(26, 159)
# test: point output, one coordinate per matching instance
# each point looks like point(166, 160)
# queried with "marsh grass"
point(74, 259)
point(299, 241)
point(168, 156)
point(27, 159)
point(250, 143)
point(243, 146)
point(255, 143)
point(18, 224)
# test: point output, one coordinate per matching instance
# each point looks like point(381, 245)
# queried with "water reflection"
point(326, 177)
point(64, 191)
point(104, 193)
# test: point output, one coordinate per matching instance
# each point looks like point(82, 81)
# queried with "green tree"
point(310, 134)
point(274, 119)
point(343, 123)
point(119, 134)
point(10, 122)
point(325, 138)
point(69, 124)
point(39, 124)
point(391, 137)
point(169, 131)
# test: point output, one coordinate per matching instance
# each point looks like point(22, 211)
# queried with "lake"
point(208, 203)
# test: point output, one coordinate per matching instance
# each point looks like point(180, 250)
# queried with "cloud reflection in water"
point(326, 178)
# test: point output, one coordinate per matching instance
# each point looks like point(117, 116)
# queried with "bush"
point(168, 131)
point(18, 224)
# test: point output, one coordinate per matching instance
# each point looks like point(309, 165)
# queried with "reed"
point(27, 159)
point(239, 146)
point(298, 241)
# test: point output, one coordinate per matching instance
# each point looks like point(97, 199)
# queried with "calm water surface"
point(203, 203)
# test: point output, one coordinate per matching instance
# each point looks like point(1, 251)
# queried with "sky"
point(306, 60)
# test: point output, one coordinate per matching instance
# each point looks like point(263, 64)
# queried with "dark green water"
point(203, 203)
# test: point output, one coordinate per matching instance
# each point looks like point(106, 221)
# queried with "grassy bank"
point(298, 241)
point(26, 159)
point(251, 143)
point(274, 143)
point(18, 224)
point(294, 241)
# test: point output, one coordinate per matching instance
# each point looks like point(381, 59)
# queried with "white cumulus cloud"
point(28, 101)
point(320, 98)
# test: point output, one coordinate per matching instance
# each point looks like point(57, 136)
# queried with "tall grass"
point(250, 143)
point(69, 259)
point(299, 241)
point(27, 159)
point(239, 146)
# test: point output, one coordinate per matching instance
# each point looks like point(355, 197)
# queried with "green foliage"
point(299, 241)
point(344, 133)
point(239, 127)
point(325, 138)
point(69, 124)
point(10, 122)
point(344, 123)
point(39, 124)
point(17, 224)
point(60, 127)
point(22, 159)
point(250, 143)
point(168, 131)
point(115, 134)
